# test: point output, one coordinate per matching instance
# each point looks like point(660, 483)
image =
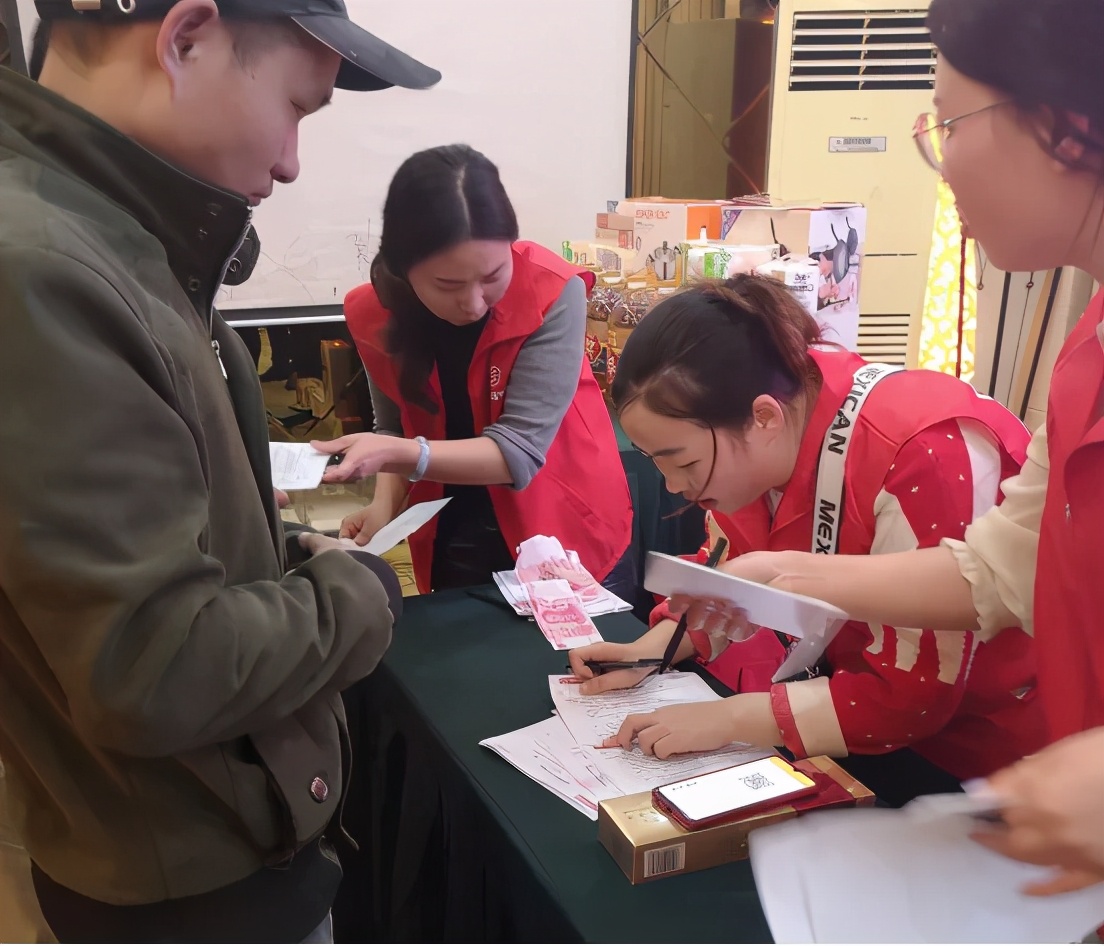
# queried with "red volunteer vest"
point(902, 405)
point(1069, 590)
point(580, 495)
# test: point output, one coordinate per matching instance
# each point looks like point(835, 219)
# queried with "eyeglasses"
point(930, 134)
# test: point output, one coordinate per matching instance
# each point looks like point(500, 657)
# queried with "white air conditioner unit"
point(850, 79)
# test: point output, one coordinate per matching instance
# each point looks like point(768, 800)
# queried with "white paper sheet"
point(296, 465)
point(883, 876)
point(590, 719)
point(815, 622)
point(547, 753)
point(405, 525)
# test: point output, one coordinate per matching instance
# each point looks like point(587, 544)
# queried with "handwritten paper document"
point(884, 876)
point(815, 623)
point(296, 465)
point(590, 719)
point(549, 755)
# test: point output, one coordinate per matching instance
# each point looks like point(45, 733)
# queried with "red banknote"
point(543, 558)
point(560, 614)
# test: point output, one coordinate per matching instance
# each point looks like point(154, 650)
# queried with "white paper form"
point(815, 622)
point(401, 527)
point(296, 465)
point(590, 719)
point(883, 876)
point(547, 753)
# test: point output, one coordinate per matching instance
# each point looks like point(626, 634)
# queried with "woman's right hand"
point(616, 679)
point(361, 525)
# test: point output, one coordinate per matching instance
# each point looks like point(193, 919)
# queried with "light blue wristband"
point(423, 460)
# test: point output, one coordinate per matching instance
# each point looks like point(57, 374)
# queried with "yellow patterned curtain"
point(939, 329)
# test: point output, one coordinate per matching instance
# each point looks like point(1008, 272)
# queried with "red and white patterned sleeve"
point(898, 685)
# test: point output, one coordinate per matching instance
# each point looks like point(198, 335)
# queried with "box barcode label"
point(665, 860)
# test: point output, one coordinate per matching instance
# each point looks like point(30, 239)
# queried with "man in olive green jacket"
point(170, 719)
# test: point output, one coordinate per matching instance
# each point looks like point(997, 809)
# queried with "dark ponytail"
point(708, 352)
point(437, 199)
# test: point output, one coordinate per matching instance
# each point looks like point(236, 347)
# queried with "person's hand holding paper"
point(1054, 812)
point(364, 454)
point(713, 617)
point(362, 525)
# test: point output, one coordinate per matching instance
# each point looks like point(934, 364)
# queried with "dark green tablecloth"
point(456, 845)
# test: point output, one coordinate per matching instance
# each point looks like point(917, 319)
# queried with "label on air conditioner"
point(858, 144)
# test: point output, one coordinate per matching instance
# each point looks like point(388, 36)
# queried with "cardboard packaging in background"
point(647, 845)
point(801, 275)
point(708, 260)
point(602, 257)
point(660, 227)
point(832, 234)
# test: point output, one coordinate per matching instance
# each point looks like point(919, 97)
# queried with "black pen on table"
point(488, 596)
point(663, 664)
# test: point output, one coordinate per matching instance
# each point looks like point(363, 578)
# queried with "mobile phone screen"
point(742, 786)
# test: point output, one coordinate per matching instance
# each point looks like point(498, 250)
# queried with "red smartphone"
point(734, 793)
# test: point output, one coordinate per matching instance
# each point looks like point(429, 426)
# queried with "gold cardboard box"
point(647, 845)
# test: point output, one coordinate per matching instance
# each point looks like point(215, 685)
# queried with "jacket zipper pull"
point(215, 348)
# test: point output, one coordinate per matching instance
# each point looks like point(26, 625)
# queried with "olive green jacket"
point(170, 718)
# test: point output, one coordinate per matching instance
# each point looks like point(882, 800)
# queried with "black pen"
point(491, 597)
point(598, 667)
point(680, 630)
point(659, 665)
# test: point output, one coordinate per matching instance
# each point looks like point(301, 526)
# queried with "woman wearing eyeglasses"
point(1018, 135)
point(792, 446)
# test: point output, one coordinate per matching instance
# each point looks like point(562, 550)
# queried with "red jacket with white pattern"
point(927, 456)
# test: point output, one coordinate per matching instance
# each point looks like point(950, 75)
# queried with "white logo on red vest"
point(496, 383)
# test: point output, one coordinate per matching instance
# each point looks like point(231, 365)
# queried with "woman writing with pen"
point(788, 445)
point(1018, 135)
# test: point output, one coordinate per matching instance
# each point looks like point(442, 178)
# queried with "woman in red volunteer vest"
point(473, 345)
point(1018, 134)
point(792, 447)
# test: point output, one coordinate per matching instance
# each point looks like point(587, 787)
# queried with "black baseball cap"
point(369, 63)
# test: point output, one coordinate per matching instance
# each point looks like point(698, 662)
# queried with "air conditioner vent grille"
point(857, 51)
point(884, 337)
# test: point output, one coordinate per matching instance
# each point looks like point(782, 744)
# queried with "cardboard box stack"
point(645, 248)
